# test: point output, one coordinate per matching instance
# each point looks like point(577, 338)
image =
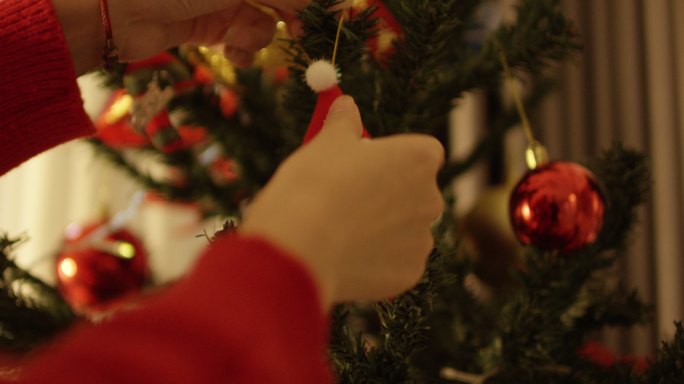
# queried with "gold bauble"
point(489, 239)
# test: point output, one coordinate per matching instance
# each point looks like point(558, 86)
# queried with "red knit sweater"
point(247, 313)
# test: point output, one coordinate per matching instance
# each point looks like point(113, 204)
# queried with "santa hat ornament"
point(323, 78)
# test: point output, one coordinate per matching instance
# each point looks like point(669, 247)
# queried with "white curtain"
point(70, 184)
point(628, 84)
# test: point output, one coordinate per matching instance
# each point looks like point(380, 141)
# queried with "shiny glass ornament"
point(557, 206)
point(99, 268)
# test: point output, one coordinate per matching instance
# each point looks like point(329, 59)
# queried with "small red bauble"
point(98, 269)
point(113, 127)
point(557, 206)
point(228, 102)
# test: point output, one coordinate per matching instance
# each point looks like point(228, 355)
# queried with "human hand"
point(356, 212)
point(242, 26)
point(145, 28)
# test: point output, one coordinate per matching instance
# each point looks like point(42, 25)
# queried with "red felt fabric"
point(248, 313)
point(325, 100)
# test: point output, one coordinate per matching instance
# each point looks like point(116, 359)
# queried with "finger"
point(286, 6)
point(287, 11)
point(250, 31)
point(239, 57)
point(423, 151)
point(344, 119)
point(294, 25)
point(431, 152)
point(208, 30)
point(182, 10)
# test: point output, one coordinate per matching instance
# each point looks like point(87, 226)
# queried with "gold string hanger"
point(535, 154)
point(336, 45)
point(337, 37)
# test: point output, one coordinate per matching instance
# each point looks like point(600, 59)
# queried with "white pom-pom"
point(321, 75)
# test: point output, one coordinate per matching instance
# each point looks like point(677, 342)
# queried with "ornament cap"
point(536, 155)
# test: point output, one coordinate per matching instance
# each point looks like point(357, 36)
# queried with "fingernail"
point(343, 103)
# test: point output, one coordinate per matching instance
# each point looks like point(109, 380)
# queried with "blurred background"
point(627, 84)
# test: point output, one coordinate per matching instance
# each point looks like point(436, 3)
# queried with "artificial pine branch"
point(620, 307)
point(386, 356)
point(412, 91)
point(118, 159)
point(31, 312)
point(554, 282)
point(626, 180)
point(530, 334)
point(669, 366)
point(540, 34)
point(558, 302)
point(319, 26)
point(260, 139)
point(432, 36)
point(502, 121)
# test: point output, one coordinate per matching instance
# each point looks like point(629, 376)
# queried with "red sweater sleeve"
point(247, 314)
point(40, 103)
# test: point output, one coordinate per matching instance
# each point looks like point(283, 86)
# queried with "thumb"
point(343, 118)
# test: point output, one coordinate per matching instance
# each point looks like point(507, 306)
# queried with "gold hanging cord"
point(536, 153)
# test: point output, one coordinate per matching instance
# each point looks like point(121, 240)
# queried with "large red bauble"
point(96, 276)
point(557, 206)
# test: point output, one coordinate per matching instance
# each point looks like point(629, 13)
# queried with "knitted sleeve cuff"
point(40, 103)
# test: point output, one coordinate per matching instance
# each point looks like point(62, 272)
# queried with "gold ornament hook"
point(535, 154)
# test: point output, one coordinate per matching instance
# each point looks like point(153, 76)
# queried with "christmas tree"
point(221, 133)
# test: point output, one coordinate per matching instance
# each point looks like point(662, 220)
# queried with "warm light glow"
point(572, 198)
point(531, 159)
point(119, 110)
point(596, 203)
point(68, 267)
point(125, 250)
point(385, 39)
point(281, 25)
point(73, 231)
point(526, 211)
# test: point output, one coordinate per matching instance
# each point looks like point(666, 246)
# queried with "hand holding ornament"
point(357, 213)
point(144, 28)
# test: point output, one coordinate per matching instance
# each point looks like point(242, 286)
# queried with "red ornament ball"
point(557, 206)
point(98, 269)
point(228, 102)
